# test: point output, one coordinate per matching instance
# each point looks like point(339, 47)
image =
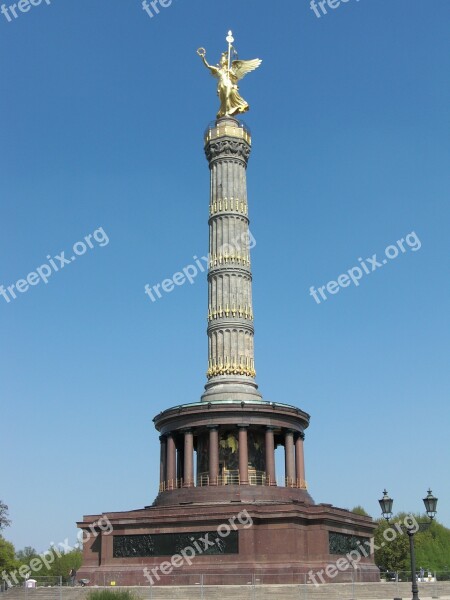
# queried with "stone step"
point(337, 591)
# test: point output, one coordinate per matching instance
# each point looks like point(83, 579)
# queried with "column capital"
point(243, 425)
point(163, 438)
point(228, 149)
point(301, 435)
point(212, 427)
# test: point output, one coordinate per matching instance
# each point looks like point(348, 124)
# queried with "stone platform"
point(270, 540)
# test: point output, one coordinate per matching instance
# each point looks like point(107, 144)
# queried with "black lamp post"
point(386, 506)
point(430, 502)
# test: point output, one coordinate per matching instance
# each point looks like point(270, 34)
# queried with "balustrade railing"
point(233, 478)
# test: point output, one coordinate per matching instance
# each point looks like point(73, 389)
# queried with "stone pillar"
point(213, 455)
point(243, 455)
point(106, 553)
point(180, 461)
point(300, 461)
point(289, 459)
point(270, 457)
point(231, 366)
point(188, 459)
point(162, 461)
point(171, 461)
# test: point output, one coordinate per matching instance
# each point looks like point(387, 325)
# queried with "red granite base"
point(277, 543)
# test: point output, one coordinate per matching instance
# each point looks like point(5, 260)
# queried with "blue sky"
point(103, 112)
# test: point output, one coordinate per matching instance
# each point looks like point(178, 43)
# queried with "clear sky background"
point(102, 117)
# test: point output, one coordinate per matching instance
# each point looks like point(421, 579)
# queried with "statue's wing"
point(240, 68)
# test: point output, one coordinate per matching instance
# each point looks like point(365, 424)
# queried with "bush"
point(111, 595)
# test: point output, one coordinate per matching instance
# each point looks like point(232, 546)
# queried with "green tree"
point(4, 521)
point(24, 556)
point(391, 555)
point(62, 563)
point(59, 563)
point(359, 510)
point(8, 560)
point(432, 545)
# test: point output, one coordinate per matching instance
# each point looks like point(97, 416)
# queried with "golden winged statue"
point(229, 72)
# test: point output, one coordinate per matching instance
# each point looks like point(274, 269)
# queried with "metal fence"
point(264, 585)
point(52, 585)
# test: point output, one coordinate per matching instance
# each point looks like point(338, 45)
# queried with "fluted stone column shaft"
point(289, 457)
point(270, 456)
point(299, 460)
point(213, 456)
point(171, 461)
point(188, 471)
point(243, 455)
point(162, 459)
point(230, 311)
